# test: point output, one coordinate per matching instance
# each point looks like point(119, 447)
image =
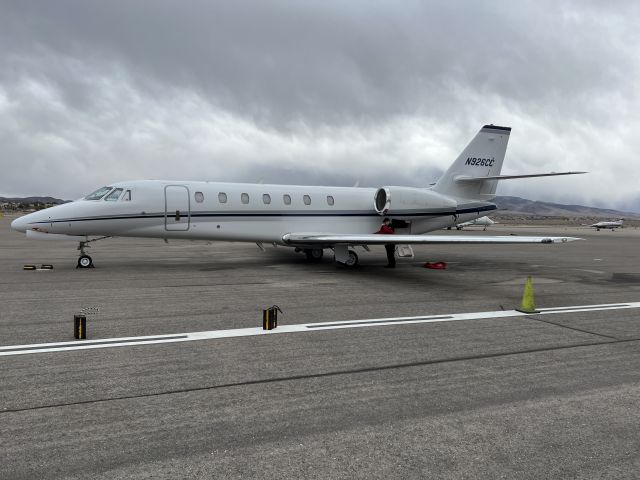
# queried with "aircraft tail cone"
point(528, 303)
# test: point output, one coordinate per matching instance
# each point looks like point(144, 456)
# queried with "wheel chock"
point(270, 317)
point(46, 267)
point(528, 303)
point(29, 267)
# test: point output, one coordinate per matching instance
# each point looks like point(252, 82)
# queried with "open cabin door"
point(177, 211)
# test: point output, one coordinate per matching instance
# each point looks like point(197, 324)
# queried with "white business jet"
point(307, 218)
point(477, 222)
point(612, 225)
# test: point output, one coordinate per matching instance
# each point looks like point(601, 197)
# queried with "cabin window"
point(307, 200)
point(286, 199)
point(127, 196)
point(113, 196)
point(222, 197)
point(330, 200)
point(244, 198)
point(98, 194)
point(266, 198)
point(199, 196)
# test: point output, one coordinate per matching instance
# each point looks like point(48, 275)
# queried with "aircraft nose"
point(19, 224)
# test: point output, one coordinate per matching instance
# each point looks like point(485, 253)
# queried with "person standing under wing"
point(387, 229)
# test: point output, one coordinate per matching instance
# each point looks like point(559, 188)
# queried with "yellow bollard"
point(528, 303)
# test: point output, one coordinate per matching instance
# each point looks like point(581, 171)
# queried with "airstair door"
point(177, 211)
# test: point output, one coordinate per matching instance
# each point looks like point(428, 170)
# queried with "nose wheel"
point(85, 261)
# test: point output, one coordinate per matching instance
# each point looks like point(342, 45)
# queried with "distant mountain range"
point(28, 200)
point(506, 205)
point(522, 206)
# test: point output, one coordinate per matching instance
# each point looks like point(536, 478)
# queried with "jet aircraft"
point(310, 219)
point(478, 222)
point(611, 225)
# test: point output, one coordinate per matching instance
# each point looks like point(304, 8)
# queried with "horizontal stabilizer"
point(464, 178)
point(377, 239)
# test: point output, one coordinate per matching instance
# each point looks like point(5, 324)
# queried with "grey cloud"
point(335, 61)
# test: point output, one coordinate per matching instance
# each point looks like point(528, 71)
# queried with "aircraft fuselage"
point(238, 212)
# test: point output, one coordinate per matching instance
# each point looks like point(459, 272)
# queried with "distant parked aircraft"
point(478, 222)
point(611, 225)
point(307, 218)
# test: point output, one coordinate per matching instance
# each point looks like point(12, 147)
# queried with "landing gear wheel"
point(353, 259)
point(314, 254)
point(85, 261)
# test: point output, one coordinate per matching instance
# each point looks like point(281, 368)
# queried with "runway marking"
point(94, 343)
point(296, 328)
point(386, 321)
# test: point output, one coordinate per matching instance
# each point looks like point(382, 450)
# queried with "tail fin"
point(483, 157)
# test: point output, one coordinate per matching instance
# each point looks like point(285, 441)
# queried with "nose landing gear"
point(85, 261)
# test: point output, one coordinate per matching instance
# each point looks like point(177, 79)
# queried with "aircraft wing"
point(377, 239)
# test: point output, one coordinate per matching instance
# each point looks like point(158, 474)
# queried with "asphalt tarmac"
point(531, 396)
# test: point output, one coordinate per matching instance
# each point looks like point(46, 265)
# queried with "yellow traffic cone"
point(528, 304)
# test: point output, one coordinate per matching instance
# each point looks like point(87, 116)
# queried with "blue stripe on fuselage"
point(484, 208)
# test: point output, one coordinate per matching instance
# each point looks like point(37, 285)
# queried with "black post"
point(80, 327)
point(270, 318)
point(267, 319)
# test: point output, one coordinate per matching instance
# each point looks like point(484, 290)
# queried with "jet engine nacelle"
point(398, 200)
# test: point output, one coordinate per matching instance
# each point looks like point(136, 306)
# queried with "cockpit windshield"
point(98, 194)
point(113, 196)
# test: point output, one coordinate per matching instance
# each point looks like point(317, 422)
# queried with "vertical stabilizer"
point(483, 157)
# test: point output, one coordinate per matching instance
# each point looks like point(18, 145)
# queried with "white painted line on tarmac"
point(297, 328)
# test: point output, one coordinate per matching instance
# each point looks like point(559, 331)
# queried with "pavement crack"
point(321, 375)
point(575, 329)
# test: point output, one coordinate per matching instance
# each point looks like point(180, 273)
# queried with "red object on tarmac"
point(436, 265)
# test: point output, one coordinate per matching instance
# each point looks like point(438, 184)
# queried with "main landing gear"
point(352, 261)
point(314, 254)
point(345, 256)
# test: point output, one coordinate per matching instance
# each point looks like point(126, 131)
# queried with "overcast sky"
point(323, 92)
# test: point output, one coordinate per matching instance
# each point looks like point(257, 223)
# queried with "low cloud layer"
point(317, 93)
